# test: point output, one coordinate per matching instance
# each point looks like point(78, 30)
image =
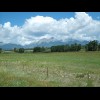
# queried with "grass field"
point(70, 69)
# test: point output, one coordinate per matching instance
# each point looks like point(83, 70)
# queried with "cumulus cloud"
point(80, 27)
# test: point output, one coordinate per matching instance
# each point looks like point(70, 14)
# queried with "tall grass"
point(50, 69)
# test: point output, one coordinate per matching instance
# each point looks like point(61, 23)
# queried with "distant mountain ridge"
point(10, 46)
point(43, 42)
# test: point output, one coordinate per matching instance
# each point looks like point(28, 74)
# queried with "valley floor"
point(69, 69)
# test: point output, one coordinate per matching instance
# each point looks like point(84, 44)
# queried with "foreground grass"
point(50, 69)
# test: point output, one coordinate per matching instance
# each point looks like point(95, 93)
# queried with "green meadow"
point(67, 69)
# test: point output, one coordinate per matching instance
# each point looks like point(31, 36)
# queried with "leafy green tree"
point(15, 50)
point(21, 50)
point(92, 46)
point(72, 47)
point(78, 47)
point(99, 47)
point(86, 47)
point(37, 49)
point(0, 50)
point(42, 49)
point(53, 48)
point(66, 48)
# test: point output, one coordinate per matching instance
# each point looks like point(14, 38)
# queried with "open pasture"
point(69, 69)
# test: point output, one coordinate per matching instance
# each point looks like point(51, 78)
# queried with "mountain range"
point(43, 42)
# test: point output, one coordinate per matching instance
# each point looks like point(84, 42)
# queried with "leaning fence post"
point(47, 72)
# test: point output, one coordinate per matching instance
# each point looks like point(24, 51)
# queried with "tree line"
point(91, 46)
point(65, 48)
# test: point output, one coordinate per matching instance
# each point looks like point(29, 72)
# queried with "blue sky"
point(32, 27)
point(18, 18)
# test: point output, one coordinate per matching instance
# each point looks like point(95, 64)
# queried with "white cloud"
point(80, 27)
